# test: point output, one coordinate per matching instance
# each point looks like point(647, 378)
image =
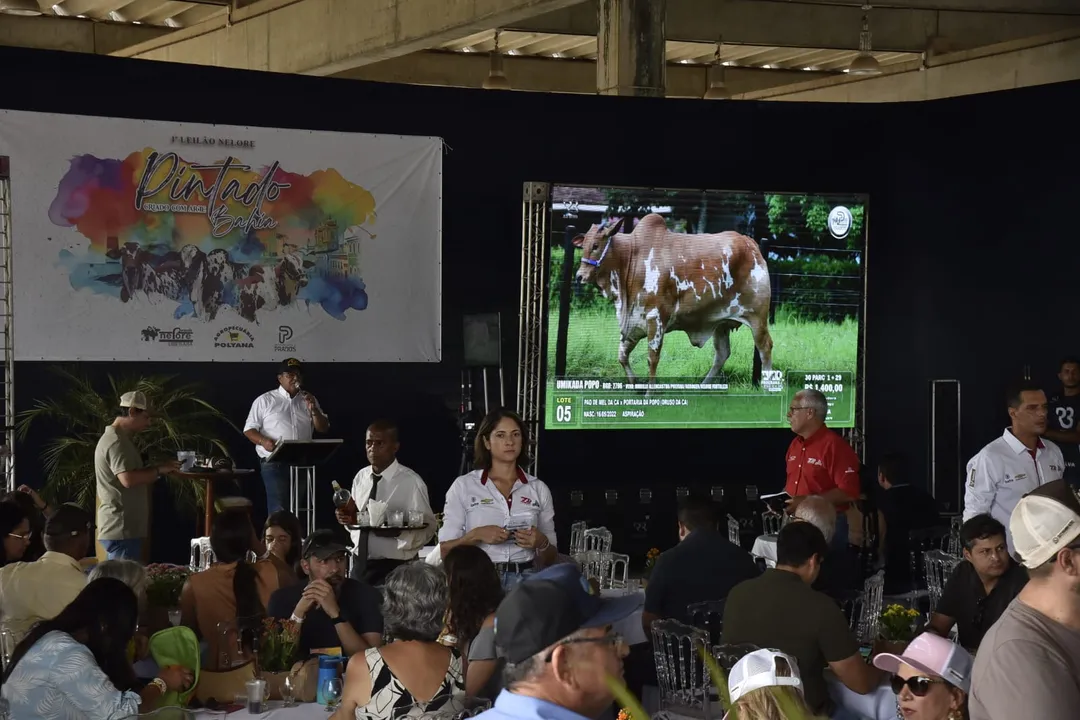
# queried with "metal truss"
point(535, 211)
point(7, 326)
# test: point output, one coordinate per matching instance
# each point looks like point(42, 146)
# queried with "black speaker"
point(946, 462)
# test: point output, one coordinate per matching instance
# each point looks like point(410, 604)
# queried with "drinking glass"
point(395, 518)
point(174, 616)
point(256, 696)
point(332, 690)
point(288, 690)
point(416, 518)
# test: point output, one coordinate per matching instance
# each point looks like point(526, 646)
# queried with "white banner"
point(147, 240)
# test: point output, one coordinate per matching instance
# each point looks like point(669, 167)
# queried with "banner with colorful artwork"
point(148, 240)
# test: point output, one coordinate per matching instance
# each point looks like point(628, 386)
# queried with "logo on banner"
point(284, 335)
point(840, 222)
point(175, 337)
point(234, 336)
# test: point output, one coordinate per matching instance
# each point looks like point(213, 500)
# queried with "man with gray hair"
point(840, 568)
point(819, 461)
point(559, 646)
point(820, 513)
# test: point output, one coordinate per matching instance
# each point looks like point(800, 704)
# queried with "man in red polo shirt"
point(819, 461)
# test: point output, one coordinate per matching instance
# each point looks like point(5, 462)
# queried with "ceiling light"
point(556, 55)
point(766, 66)
point(496, 79)
point(727, 63)
point(718, 89)
point(59, 10)
point(865, 63)
point(512, 52)
point(684, 61)
point(20, 7)
point(467, 49)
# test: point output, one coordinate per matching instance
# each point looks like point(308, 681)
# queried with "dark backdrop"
point(972, 256)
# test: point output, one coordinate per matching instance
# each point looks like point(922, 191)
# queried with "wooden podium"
point(302, 456)
point(207, 476)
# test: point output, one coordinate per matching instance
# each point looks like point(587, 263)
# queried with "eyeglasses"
point(792, 410)
point(24, 538)
point(918, 685)
point(609, 639)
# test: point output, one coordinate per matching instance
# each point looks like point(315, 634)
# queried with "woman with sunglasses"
point(15, 530)
point(931, 679)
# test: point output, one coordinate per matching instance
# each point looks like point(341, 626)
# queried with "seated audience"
point(763, 684)
point(780, 610)
point(705, 565)
point(15, 530)
point(931, 678)
point(475, 591)
point(226, 603)
point(980, 588)
point(39, 590)
point(76, 665)
point(839, 574)
point(334, 611)
point(1028, 665)
point(902, 507)
point(559, 647)
point(37, 510)
point(414, 674)
point(283, 538)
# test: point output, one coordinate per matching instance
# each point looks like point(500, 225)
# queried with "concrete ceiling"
point(773, 49)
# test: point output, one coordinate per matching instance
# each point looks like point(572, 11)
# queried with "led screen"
point(701, 308)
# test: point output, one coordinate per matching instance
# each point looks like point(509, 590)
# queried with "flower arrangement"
point(898, 623)
point(164, 583)
point(624, 714)
point(650, 560)
point(277, 646)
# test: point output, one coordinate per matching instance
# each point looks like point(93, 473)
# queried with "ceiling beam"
point(322, 37)
point(835, 25)
point(72, 34)
point(548, 75)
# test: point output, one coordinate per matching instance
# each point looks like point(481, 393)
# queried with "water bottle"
point(329, 668)
point(342, 497)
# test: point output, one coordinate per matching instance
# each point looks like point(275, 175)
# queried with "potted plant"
point(277, 652)
point(164, 584)
point(80, 410)
point(650, 561)
point(897, 624)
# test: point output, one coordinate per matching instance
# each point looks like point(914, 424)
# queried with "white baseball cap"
point(1044, 522)
point(134, 399)
point(758, 670)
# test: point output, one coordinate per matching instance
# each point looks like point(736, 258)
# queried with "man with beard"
point(1016, 463)
point(333, 611)
point(1064, 418)
point(378, 552)
point(982, 587)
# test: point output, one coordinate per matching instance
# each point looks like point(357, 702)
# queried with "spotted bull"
point(661, 281)
point(260, 291)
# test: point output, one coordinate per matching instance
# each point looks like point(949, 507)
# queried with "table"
point(765, 548)
point(301, 711)
point(630, 626)
point(207, 477)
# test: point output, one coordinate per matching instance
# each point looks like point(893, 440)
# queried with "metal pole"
point(484, 379)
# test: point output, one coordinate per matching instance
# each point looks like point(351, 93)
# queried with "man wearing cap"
point(39, 590)
point(1028, 665)
point(123, 481)
point(559, 645)
point(284, 413)
point(334, 611)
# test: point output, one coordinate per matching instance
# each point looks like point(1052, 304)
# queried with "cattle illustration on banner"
point(215, 243)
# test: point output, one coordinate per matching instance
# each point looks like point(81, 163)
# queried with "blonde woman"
point(765, 685)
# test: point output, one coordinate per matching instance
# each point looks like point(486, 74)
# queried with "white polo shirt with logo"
point(1003, 472)
point(473, 502)
point(279, 416)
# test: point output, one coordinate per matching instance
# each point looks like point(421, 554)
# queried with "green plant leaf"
point(625, 698)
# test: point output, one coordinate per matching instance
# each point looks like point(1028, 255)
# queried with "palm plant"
point(183, 421)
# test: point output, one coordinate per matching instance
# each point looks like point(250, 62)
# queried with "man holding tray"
point(378, 551)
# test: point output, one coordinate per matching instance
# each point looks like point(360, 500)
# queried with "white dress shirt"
point(1003, 472)
point(280, 417)
point(401, 489)
point(473, 502)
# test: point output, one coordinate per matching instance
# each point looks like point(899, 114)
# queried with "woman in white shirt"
point(499, 507)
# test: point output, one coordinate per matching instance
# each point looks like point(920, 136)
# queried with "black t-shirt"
point(704, 566)
point(905, 508)
point(965, 600)
point(1064, 415)
point(360, 604)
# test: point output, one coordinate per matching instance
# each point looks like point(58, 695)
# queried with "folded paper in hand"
point(519, 522)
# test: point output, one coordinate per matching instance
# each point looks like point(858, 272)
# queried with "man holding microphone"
point(284, 413)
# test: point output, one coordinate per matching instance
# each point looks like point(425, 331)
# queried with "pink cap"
point(933, 655)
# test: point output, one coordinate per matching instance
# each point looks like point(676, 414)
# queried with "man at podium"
point(284, 413)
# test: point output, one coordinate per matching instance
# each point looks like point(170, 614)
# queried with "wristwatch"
point(338, 620)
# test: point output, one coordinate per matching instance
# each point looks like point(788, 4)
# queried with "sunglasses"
point(918, 685)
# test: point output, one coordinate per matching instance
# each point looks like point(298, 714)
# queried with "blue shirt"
point(58, 679)
point(511, 706)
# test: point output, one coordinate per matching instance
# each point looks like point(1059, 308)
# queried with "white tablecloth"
point(629, 627)
point(765, 548)
point(301, 711)
point(877, 705)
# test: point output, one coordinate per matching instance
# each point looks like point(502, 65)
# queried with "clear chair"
point(598, 539)
point(953, 547)
point(202, 555)
point(618, 572)
point(577, 537)
point(733, 531)
point(919, 542)
point(234, 637)
point(939, 568)
point(685, 686)
point(866, 612)
point(708, 616)
point(771, 522)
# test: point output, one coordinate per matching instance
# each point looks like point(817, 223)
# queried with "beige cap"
point(134, 399)
point(1044, 522)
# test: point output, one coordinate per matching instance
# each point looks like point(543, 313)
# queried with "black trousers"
point(374, 572)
